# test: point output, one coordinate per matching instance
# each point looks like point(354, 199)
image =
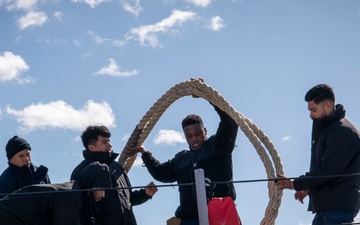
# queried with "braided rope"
point(255, 135)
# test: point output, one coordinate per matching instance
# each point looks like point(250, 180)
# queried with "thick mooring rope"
point(255, 135)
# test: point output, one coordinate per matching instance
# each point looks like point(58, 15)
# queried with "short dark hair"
point(192, 119)
point(320, 93)
point(91, 133)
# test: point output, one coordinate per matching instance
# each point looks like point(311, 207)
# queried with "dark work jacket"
point(116, 207)
point(14, 177)
point(214, 157)
point(48, 204)
point(335, 150)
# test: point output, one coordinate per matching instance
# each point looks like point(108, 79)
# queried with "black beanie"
point(15, 145)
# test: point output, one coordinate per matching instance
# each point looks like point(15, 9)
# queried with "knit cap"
point(15, 145)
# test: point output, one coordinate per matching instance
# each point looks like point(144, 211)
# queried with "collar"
point(335, 116)
point(102, 157)
point(23, 169)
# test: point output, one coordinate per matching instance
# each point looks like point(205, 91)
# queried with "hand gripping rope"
point(259, 140)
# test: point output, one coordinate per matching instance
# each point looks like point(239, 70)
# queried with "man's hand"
point(98, 195)
point(300, 195)
point(196, 79)
point(284, 182)
point(151, 189)
point(130, 151)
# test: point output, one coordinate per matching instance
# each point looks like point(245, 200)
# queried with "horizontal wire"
point(175, 185)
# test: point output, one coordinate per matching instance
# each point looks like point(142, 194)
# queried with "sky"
point(66, 64)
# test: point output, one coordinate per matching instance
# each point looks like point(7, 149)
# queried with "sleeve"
point(138, 197)
point(47, 179)
point(41, 175)
point(163, 172)
point(227, 131)
point(7, 184)
point(95, 175)
point(340, 148)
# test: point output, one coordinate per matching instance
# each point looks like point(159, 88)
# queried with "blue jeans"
point(334, 217)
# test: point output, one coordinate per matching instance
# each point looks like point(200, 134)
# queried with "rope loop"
point(256, 136)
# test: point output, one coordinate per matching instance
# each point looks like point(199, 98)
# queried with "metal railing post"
point(201, 197)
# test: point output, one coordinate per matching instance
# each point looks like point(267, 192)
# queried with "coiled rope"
point(256, 136)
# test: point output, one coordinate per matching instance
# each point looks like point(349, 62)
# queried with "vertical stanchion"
point(201, 196)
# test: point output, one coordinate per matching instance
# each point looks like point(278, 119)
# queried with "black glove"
point(40, 173)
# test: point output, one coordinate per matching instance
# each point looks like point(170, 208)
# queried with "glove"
point(40, 173)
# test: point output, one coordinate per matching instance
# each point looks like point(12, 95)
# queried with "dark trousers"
point(334, 217)
point(190, 222)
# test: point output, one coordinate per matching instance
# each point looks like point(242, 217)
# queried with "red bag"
point(222, 211)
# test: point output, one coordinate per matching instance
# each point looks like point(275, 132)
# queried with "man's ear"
point(329, 107)
point(205, 130)
point(91, 147)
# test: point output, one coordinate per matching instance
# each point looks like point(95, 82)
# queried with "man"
point(41, 204)
point(332, 184)
point(55, 204)
point(213, 155)
point(21, 172)
point(113, 204)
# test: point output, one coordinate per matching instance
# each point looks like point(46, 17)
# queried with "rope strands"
point(256, 136)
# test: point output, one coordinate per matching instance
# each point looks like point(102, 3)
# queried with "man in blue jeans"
point(333, 182)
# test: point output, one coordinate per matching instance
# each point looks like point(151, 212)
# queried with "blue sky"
point(65, 64)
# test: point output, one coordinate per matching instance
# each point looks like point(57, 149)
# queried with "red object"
point(222, 211)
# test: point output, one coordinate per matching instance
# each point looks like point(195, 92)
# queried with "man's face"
point(21, 158)
point(195, 136)
point(101, 145)
point(320, 110)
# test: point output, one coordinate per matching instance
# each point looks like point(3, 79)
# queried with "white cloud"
point(146, 35)
point(169, 2)
point(77, 43)
point(106, 41)
point(201, 3)
point(113, 70)
point(126, 137)
point(91, 3)
point(54, 41)
point(304, 223)
point(59, 114)
point(357, 218)
point(169, 137)
point(135, 10)
point(25, 5)
point(59, 16)
point(217, 23)
point(17, 39)
point(32, 19)
point(25, 80)
point(286, 138)
point(87, 54)
point(138, 162)
point(11, 67)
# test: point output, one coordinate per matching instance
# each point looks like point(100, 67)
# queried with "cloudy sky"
point(66, 64)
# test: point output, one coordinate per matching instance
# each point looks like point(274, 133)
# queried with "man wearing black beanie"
point(21, 172)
